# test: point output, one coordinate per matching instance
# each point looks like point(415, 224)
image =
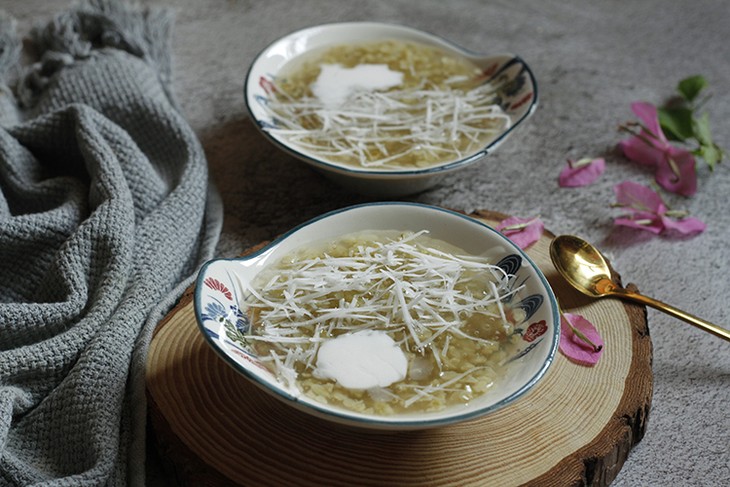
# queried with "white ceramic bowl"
point(220, 307)
point(517, 96)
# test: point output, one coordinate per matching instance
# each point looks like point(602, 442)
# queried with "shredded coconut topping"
point(416, 294)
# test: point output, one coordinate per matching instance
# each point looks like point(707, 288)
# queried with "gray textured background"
point(591, 60)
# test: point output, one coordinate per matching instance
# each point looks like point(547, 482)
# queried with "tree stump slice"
point(212, 427)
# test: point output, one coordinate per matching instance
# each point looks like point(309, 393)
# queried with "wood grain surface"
point(577, 427)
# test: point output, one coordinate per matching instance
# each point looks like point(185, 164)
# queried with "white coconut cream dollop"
point(362, 360)
point(336, 84)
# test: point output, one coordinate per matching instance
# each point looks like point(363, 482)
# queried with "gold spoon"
point(583, 266)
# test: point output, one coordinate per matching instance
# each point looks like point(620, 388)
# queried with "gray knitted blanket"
point(105, 211)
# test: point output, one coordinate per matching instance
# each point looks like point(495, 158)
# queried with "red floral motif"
point(490, 70)
point(521, 102)
point(534, 331)
point(216, 285)
point(267, 85)
point(248, 359)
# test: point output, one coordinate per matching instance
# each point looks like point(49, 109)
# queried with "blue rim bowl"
point(219, 302)
point(517, 97)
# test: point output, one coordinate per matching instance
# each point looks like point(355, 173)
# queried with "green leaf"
point(701, 129)
point(676, 123)
point(711, 154)
point(690, 87)
point(708, 150)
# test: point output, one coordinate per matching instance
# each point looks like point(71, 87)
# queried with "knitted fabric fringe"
point(97, 24)
point(9, 44)
point(9, 54)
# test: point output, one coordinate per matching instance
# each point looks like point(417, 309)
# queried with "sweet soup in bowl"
point(384, 315)
point(385, 109)
point(386, 105)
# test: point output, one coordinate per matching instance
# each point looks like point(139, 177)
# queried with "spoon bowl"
point(585, 268)
point(582, 265)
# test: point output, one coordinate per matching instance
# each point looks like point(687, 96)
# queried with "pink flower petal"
point(522, 231)
point(643, 206)
point(573, 347)
point(675, 167)
point(647, 148)
point(637, 150)
point(571, 177)
point(686, 182)
point(684, 226)
point(637, 197)
point(647, 113)
point(646, 211)
point(655, 226)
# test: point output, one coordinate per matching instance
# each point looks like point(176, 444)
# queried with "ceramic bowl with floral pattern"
point(506, 83)
point(225, 289)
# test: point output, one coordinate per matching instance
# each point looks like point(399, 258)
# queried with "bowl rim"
point(373, 421)
point(379, 173)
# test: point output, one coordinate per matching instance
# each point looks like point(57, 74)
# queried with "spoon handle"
point(678, 313)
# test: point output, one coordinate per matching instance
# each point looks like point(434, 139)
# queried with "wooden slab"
point(576, 428)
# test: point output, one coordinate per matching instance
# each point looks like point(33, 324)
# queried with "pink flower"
point(647, 211)
point(580, 342)
point(581, 172)
point(522, 231)
point(675, 167)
